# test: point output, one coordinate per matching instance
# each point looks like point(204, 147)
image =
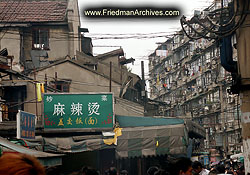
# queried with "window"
point(40, 39)
point(61, 86)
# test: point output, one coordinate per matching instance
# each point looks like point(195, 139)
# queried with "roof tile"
point(32, 11)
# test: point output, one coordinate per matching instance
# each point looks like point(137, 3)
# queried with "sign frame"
point(56, 129)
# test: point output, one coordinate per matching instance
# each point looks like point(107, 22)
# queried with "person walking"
point(182, 166)
point(199, 169)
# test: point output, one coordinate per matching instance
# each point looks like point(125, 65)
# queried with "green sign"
point(78, 110)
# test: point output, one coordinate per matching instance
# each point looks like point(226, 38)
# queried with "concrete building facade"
point(188, 76)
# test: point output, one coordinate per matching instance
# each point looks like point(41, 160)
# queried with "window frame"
point(39, 30)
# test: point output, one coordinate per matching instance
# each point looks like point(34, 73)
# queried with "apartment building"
point(188, 76)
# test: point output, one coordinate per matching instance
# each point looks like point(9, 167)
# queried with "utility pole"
point(55, 85)
point(243, 52)
point(121, 76)
point(46, 83)
point(143, 93)
point(35, 93)
point(223, 122)
point(110, 76)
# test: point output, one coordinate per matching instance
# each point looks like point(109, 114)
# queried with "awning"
point(151, 136)
point(47, 159)
point(71, 145)
point(76, 144)
point(128, 121)
point(152, 141)
point(141, 136)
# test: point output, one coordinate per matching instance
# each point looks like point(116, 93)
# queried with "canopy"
point(152, 141)
point(141, 136)
point(47, 159)
point(131, 121)
point(73, 145)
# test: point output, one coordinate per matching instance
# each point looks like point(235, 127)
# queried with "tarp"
point(47, 159)
point(152, 141)
point(69, 145)
point(130, 121)
point(141, 136)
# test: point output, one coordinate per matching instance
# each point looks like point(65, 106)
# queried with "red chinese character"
point(109, 120)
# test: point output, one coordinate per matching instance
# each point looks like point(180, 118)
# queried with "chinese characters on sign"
point(25, 125)
point(78, 110)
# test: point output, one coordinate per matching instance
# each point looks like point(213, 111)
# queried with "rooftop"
point(12, 11)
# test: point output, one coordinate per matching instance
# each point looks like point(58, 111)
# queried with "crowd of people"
point(21, 164)
point(184, 166)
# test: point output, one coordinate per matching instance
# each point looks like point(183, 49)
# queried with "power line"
point(219, 31)
point(72, 37)
point(77, 82)
point(105, 46)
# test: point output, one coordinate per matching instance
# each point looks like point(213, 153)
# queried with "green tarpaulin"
point(141, 136)
point(151, 136)
point(129, 121)
point(69, 145)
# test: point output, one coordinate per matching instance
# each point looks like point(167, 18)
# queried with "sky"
point(136, 46)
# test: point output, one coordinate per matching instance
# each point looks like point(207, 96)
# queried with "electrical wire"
point(76, 82)
point(74, 38)
point(21, 103)
point(219, 33)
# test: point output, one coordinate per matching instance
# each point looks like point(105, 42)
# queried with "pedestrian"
point(181, 166)
point(124, 172)
point(52, 170)
point(152, 170)
point(241, 170)
point(20, 164)
point(112, 171)
point(220, 168)
point(88, 171)
point(229, 170)
point(213, 172)
point(199, 169)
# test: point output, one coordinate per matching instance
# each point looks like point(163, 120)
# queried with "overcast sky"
point(136, 47)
